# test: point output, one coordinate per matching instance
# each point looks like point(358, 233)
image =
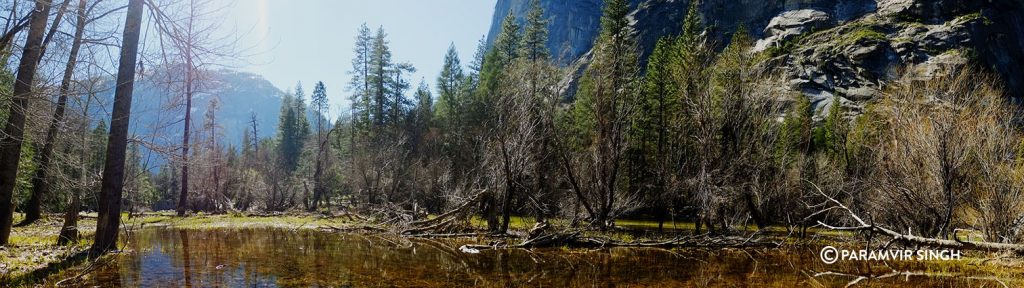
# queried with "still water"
point(167, 257)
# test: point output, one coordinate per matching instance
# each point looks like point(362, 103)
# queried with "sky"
point(288, 41)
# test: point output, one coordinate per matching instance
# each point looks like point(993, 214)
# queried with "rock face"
point(790, 24)
point(572, 24)
point(823, 47)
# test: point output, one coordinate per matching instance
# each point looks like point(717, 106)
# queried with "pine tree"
point(98, 141)
point(424, 103)
point(302, 117)
point(380, 66)
point(476, 66)
point(535, 39)
point(292, 130)
point(320, 161)
point(360, 82)
point(606, 100)
point(505, 51)
point(655, 126)
point(508, 43)
point(795, 134)
point(449, 85)
point(471, 85)
point(692, 29)
point(320, 106)
point(397, 85)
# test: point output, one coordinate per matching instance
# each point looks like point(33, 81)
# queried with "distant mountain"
point(158, 106)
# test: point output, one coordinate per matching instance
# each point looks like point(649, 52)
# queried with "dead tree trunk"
point(41, 183)
point(10, 145)
point(183, 198)
point(117, 144)
point(69, 230)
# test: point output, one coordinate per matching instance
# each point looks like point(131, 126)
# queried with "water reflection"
point(164, 257)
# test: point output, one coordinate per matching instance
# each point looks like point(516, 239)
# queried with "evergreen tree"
point(477, 64)
point(360, 82)
point(449, 85)
point(301, 116)
point(292, 131)
point(535, 38)
point(380, 66)
point(320, 105)
point(692, 28)
point(655, 127)
point(98, 143)
point(606, 100)
point(508, 43)
point(471, 84)
point(424, 104)
point(397, 85)
point(505, 51)
point(795, 134)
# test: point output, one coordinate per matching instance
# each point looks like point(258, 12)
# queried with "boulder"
point(791, 24)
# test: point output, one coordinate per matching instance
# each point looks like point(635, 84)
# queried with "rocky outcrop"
point(856, 59)
point(791, 24)
point(824, 48)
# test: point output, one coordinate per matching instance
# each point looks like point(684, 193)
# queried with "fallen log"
point(956, 243)
point(573, 239)
point(354, 228)
point(444, 222)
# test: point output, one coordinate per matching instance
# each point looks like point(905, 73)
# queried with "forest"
point(700, 132)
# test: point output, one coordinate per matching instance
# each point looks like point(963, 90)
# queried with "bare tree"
point(929, 132)
point(189, 30)
point(41, 182)
point(83, 177)
point(13, 24)
point(10, 145)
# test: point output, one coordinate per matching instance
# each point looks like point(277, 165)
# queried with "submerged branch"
point(574, 239)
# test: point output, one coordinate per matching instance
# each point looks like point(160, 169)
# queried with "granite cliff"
point(822, 47)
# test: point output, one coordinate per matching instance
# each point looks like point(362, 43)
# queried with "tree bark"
point(41, 183)
point(69, 231)
point(183, 198)
point(117, 144)
point(10, 145)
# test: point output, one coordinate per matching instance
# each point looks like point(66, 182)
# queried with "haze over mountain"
point(158, 110)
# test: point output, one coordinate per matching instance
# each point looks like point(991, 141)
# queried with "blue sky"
point(312, 40)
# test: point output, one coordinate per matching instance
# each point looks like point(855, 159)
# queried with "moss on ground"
point(861, 34)
point(34, 247)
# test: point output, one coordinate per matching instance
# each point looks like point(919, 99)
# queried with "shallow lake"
point(169, 257)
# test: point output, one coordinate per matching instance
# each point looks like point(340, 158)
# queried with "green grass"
point(515, 222)
point(861, 34)
point(972, 17)
point(242, 221)
point(651, 224)
point(34, 247)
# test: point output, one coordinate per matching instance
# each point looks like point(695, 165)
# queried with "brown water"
point(166, 257)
